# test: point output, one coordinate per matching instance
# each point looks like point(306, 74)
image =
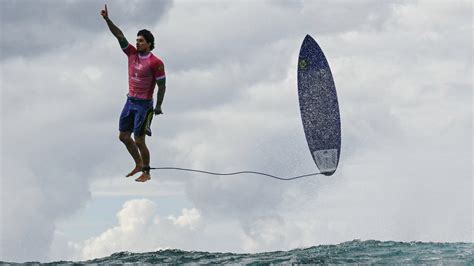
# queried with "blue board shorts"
point(136, 116)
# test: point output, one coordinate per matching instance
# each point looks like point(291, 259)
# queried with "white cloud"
point(133, 221)
point(190, 218)
point(140, 229)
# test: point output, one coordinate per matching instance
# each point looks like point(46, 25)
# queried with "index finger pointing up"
point(105, 8)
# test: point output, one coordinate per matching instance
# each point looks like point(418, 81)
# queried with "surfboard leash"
point(233, 173)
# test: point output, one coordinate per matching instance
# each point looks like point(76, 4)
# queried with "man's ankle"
point(146, 169)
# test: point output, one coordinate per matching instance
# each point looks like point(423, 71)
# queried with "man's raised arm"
point(114, 29)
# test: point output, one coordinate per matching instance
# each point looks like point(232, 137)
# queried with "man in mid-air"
point(144, 70)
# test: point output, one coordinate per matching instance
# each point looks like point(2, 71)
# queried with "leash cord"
point(234, 173)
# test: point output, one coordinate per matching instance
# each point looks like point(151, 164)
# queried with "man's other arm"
point(160, 95)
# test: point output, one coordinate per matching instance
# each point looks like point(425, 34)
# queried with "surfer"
point(144, 71)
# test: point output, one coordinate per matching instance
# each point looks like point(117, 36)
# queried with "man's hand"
point(114, 29)
point(158, 110)
point(104, 13)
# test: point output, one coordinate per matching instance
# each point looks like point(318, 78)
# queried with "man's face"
point(142, 45)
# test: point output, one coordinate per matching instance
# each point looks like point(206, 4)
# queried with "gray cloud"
point(51, 165)
point(236, 32)
point(394, 83)
point(30, 28)
point(218, 53)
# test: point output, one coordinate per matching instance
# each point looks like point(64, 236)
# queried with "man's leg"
point(132, 148)
point(145, 155)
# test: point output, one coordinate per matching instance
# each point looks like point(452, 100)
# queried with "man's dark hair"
point(148, 37)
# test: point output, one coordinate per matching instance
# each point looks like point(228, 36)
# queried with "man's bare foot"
point(144, 177)
point(137, 169)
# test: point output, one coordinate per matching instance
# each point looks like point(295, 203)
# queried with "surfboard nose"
point(308, 38)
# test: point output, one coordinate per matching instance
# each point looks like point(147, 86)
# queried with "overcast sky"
point(403, 75)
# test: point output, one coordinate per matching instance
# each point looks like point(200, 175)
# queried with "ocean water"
point(352, 252)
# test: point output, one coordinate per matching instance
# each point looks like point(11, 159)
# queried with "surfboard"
point(319, 106)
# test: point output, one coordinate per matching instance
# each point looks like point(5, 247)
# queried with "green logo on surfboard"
point(303, 64)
